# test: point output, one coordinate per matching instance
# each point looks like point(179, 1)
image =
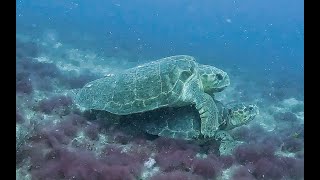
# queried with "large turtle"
point(174, 81)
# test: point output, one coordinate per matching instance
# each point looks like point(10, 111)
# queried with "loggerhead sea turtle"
point(184, 122)
point(173, 81)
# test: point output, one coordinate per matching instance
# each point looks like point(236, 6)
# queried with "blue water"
point(260, 44)
point(260, 36)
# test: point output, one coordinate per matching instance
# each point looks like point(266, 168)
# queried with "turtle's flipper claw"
point(208, 112)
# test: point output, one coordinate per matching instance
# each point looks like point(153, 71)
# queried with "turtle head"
point(213, 79)
point(240, 113)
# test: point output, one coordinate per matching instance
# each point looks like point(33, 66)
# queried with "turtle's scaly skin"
point(168, 82)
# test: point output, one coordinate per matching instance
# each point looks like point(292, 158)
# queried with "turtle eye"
point(250, 108)
point(219, 76)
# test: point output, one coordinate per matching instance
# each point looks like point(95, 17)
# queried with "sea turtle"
point(184, 123)
point(173, 81)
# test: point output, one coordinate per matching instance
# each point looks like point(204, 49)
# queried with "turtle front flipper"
point(208, 111)
point(227, 143)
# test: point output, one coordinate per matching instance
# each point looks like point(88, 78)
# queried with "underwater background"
point(62, 45)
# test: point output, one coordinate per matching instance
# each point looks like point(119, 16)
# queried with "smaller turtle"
point(184, 123)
